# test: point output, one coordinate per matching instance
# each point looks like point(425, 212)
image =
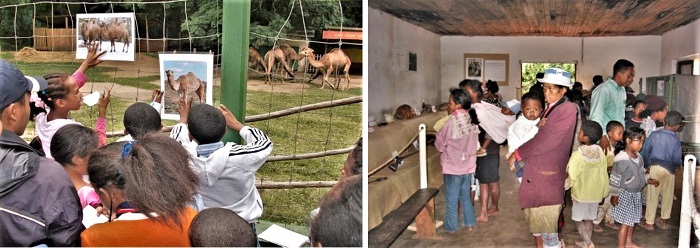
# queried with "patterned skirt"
point(629, 208)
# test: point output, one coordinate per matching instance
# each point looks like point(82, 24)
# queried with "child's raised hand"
point(613, 200)
point(92, 59)
point(104, 102)
point(183, 107)
point(157, 95)
point(231, 121)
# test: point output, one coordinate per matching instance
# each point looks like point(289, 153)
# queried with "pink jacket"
point(457, 141)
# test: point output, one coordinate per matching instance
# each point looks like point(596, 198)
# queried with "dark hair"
point(206, 124)
point(538, 89)
point(460, 96)
point(637, 102)
point(73, 140)
point(621, 65)
point(220, 227)
point(630, 133)
point(475, 85)
point(673, 118)
point(339, 221)
point(577, 85)
point(592, 130)
point(154, 175)
point(492, 86)
point(140, 119)
point(613, 124)
point(356, 153)
point(532, 96)
point(539, 75)
point(56, 89)
point(597, 79)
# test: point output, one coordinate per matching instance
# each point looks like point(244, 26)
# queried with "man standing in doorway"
point(608, 100)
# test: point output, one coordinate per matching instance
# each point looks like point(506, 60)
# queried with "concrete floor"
point(508, 229)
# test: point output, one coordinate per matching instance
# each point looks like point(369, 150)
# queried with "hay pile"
point(26, 52)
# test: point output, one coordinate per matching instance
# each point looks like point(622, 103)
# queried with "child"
point(662, 153)
point(627, 179)
point(71, 147)
point(457, 142)
point(587, 169)
point(221, 166)
point(141, 119)
point(614, 131)
point(636, 119)
point(146, 185)
point(220, 227)
point(525, 127)
point(655, 112)
point(53, 105)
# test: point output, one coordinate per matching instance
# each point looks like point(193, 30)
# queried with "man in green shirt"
point(608, 99)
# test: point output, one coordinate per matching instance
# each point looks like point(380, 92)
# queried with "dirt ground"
point(508, 228)
point(145, 65)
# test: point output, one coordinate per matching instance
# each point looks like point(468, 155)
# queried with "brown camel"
point(255, 58)
point(276, 55)
point(330, 62)
point(290, 54)
point(116, 31)
point(186, 84)
point(90, 31)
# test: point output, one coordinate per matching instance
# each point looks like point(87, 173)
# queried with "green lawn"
point(313, 131)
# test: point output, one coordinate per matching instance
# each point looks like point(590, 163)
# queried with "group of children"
point(631, 167)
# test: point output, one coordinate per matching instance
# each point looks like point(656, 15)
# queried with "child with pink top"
point(52, 106)
point(457, 141)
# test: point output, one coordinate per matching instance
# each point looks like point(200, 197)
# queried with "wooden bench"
point(420, 206)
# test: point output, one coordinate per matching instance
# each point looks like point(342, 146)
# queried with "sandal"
point(597, 228)
point(647, 226)
point(663, 225)
point(481, 152)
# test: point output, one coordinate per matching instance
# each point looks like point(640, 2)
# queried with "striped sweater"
point(227, 176)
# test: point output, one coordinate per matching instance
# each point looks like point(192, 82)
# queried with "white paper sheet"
point(92, 99)
point(283, 237)
point(90, 217)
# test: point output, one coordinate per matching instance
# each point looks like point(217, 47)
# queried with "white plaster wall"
point(594, 56)
point(680, 42)
point(390, 83)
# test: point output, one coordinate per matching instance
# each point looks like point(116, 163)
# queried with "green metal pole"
point(234, 60)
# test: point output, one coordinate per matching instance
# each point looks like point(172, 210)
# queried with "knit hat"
point(655, 103)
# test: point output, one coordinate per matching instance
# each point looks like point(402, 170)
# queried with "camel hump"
point(284, 46)
point(335, 49)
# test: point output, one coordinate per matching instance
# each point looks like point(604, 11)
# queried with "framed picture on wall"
point(474, 68)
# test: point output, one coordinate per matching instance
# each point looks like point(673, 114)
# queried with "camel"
point(116, 31)
point(255, 58)
point(330, 62)
point(90, 31)
point(290, 54)
point(186, 84)
point(271, 56)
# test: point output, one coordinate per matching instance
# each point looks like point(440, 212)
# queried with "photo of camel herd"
point(112, 32)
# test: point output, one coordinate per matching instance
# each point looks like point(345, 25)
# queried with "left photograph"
point(181, 123)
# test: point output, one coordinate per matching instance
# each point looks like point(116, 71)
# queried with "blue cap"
point(13, 84)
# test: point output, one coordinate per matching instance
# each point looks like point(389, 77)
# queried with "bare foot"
point(469, 228)
point(492, 212)
point(482, 218)
point(631, 244)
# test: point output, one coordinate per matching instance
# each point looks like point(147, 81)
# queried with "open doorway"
point(530, 70)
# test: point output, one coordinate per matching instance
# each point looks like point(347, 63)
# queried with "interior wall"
point(390, 83)
point(594, 56)
point(679, 43)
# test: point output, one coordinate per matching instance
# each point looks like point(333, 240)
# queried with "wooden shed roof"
point(544, 17)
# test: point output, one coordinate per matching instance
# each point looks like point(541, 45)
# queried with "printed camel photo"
point(114, 32)
point(186, 77)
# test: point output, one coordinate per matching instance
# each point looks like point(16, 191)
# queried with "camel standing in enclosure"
point(116, 31)
point(290, 54)
point(255, 58)
point(186, 84)
point(90, 32)
point(271, 56)
point(330, 62)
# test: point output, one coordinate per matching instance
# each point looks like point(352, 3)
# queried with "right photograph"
point(533, 123)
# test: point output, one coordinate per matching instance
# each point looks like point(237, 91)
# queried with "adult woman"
point(541, 192)
point(495, 127)
point(146, 185)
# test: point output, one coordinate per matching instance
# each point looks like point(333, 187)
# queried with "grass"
point(307, 132)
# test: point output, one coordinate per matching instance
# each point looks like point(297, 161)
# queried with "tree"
point(530, 71)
